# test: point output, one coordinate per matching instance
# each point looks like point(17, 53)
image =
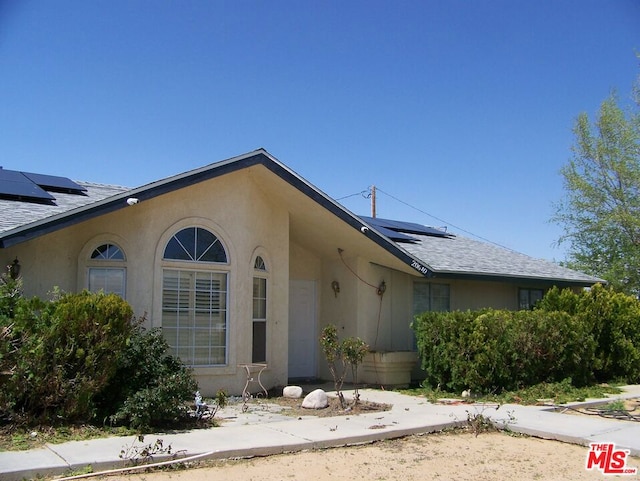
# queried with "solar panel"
point(393, 235)
point(55, 183)
point(16, 185)
point(405, 227)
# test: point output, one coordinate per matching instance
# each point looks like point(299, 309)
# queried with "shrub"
point(66, 352)
point(82, 357)
point(149, 387)
point(443, 347)
point(340, 355)
point(614, 319)
point(495, 350)
point(594, 334)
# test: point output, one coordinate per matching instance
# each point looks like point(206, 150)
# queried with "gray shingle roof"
point(15, 214)
point(450, 256)
point(461, 255)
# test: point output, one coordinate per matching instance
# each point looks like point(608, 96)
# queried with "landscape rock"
point(316, 400)
point(293, 392)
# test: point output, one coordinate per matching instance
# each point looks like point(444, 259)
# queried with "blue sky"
point(461, 110)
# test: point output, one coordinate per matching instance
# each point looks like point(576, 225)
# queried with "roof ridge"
point(101, 184)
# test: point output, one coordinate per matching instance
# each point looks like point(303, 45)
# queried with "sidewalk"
point(264, 431)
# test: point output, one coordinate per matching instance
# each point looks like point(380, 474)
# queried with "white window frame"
point(99, 269)
point(195, 268)
point(185, 315)
point(260, 274)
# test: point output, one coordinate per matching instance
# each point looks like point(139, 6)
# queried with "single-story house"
point(244, 262)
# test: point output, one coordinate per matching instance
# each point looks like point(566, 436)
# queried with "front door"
point(303, 336)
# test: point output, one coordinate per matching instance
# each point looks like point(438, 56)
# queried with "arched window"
point(107, 270)
point(194, 297)
point(195, 244)
point(259, 264)
point(259, 344)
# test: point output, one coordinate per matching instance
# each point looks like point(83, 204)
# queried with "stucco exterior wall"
point(254, 214)
point(477, 295)
point(235, 210)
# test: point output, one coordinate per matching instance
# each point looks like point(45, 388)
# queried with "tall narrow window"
point(259, 346)
point(194, 298)
point(107, 270)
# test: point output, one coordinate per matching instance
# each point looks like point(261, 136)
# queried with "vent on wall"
point(29, 187)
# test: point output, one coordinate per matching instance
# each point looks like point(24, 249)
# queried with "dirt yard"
point(490, 456)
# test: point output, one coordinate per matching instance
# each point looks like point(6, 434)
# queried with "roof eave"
point(118, 201)
point(497, 277)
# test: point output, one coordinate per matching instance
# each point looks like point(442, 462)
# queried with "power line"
point(362, 193)
point(440, 220)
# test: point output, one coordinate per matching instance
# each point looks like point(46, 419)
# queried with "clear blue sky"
point(461, 109)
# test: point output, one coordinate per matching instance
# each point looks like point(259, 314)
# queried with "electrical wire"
point(354, 273)
point(365, 194)
point(378, 291)
point(442, 220)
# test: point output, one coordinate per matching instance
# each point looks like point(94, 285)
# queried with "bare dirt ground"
point(452, 455)
point(449, 456)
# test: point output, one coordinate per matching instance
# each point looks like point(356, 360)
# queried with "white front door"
point(303, 336)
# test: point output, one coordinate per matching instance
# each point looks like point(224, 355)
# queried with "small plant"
point(340, 356)
point(354, 349)
point(141, 452)
point(617, 405)
point(479, 422)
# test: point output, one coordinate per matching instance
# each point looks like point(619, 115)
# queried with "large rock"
point(316, 400)
point(293, 392)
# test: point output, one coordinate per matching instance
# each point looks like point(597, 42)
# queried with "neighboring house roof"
point(430, 252)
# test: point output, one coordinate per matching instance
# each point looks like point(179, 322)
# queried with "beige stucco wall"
point(384, 323)
point(246, 221)
point(254, 215)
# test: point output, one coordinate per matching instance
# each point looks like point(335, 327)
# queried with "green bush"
point(83, 357)
point(496, 350)
point(614, 319)
point(586, 336)
point(150, 387)
point(65, 353)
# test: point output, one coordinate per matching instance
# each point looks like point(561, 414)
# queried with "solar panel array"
point(399, 230)
point(29, 187)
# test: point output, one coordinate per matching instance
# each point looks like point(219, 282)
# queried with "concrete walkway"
point(264, 430)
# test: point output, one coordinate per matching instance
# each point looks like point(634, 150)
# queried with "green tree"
point(600, 212)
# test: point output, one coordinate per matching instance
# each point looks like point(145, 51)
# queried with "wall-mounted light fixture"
point(382, 288)
point(14, 269)
point(335, 285)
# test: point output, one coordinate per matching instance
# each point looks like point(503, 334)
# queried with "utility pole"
point(373, 201)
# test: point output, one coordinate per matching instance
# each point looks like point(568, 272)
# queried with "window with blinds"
point(106, 270)
point(194, 316)
point(195, 298)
